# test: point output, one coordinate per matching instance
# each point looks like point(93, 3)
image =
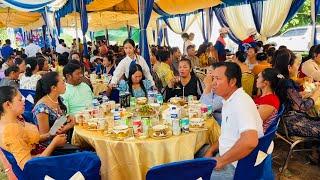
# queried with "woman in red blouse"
point(268, 103)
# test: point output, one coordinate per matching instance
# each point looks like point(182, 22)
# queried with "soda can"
point(184, 122)
point(203, 109)
point(146, 122)
point(159, 98)
point(133, 101)
point(137, 126)
point(210, 109)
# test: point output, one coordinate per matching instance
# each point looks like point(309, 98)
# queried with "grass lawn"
point(3, 175)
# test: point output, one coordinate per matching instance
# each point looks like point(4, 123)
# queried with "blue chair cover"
point(58, 167)
point(245, 167)
point(189, 169)
point(276, 120)
point(28, 116)
point(16, 169)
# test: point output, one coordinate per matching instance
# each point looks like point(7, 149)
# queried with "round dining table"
point(131, 158)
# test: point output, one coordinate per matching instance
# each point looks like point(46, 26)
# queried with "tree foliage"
point(302, 18)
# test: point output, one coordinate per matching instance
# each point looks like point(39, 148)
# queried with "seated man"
point(241, 124)
point(162, 67)
point(78, 95)
point(209, 98)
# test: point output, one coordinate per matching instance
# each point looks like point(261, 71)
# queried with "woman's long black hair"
point(44, 87)
point(132, 69)
point(7, 93)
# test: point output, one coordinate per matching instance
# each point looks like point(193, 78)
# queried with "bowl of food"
point(121, 131)
point(146, 111)
point(160, 131)
point(142, 100)
point(177, 101)
point(93, 124)
point(196, 123)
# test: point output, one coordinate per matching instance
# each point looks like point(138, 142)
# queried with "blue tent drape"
point(295, 6)
point(58, 24)
point(257, 12)
point(91, 35)
point(84, 25)
point(107, 37)
point(218, 10)
point(44, 32)
point(317, 7)
point(160, 32)
point(158, 10)
point(130, 30)
point(166, 37)
point(183, 19)
point(145, 9)
point(203, 28)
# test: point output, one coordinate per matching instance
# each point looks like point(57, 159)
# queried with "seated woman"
point(21, 64)
point(268, 103)
point(298, 122)
point(136, 84)
point(29, 79)
point(296, 117)
point(186, 84)
point(17, 136)
point(49, 106)
point(43, 65)
point(107, 66)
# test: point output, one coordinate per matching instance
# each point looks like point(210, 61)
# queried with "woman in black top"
point(187, 83)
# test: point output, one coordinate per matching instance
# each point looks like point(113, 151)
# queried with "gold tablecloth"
point(132, 159)
point(99, 87)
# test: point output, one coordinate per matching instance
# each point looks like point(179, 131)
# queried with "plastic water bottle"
point(176, 129)
point(173, 115)
point(151, 97)
point(105, 99)
point(116, 117)
point(95, 111)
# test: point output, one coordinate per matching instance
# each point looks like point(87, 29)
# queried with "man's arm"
point(247, 142)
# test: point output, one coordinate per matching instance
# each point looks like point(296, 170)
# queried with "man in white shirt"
point(311, 68)
point(186, 42)
point(60, 48)
point(32, 49)
point(241, 124)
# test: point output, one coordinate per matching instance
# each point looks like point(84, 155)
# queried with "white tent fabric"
point(175, 23)
point(273, 17)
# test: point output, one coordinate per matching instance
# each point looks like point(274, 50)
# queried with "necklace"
point(56, 102)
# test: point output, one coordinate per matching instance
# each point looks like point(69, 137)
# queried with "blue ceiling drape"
point(58, 24)
point(145, 9)
point(22, 5)
point(91, 33)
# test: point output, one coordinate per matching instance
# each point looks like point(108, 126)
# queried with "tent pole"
point(76, 24)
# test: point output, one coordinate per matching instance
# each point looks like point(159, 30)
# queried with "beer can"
point(184, 123)
point(159, 98)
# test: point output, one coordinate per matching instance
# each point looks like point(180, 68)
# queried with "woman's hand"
point(59, 140)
